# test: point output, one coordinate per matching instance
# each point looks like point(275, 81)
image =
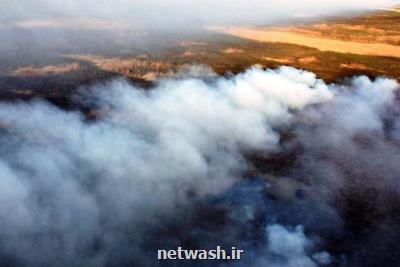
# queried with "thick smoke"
point(292, 170)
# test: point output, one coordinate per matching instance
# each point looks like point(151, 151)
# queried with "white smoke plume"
point(80, 192)
point(289, 248)
point(66, 181)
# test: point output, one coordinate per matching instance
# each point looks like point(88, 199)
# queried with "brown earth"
point(322, 44)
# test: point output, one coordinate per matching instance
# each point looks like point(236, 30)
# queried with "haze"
point(175, 13)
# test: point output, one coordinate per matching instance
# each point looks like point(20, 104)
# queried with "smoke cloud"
point(197, 161)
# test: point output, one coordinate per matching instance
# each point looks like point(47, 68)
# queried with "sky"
point(179, 13)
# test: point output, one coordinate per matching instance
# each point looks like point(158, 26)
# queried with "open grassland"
point(320, 43)
point(334, 49)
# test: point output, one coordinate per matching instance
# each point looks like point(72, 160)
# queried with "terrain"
point(49, 63)
point(180, 143)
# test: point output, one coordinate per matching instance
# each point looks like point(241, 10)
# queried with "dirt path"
point(322, 44)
